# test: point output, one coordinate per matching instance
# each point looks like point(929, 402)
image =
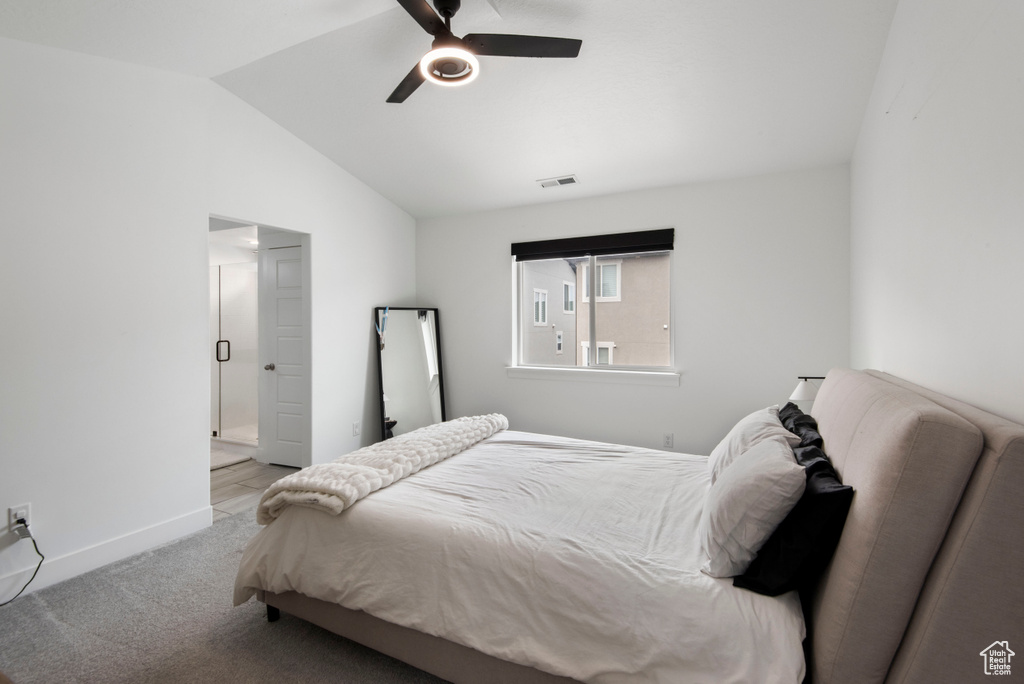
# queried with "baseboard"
point(57, 569)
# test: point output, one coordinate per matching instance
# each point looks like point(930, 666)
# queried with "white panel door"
point(284, 351)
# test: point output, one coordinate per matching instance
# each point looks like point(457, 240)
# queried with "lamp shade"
point(805, 391)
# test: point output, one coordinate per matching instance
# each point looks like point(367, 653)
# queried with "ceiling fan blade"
point(413, 80)
point(424, 16)
point(503, 45)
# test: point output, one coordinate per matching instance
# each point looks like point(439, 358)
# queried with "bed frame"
point(925, 575)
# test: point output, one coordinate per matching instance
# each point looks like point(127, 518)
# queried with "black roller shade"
point(615, 243)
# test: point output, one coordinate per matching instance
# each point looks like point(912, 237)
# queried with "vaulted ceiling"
point(663, 92)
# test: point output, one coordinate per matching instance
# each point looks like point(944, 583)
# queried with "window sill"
point(618, 377)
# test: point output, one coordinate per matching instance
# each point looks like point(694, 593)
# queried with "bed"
point(531, 558)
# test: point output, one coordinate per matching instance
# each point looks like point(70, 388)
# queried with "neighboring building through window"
point(538, 322)
point(629, 316)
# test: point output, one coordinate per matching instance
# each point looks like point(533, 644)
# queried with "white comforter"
point(333, 487)
point(577, 558)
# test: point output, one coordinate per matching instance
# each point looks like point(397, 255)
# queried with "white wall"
point(938, 205)
point(760, 294)
point(363, 255)
point(109, 172)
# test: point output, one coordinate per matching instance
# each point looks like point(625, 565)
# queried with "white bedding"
point(333, 487)
point(577, 558)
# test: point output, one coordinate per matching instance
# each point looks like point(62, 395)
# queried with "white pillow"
point(749, 500)
point(758, 426)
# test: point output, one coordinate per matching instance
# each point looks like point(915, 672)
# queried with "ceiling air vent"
point(555, 182)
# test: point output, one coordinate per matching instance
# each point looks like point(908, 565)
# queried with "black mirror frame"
point(379, 344)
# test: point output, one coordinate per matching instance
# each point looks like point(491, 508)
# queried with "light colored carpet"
point(165, 616)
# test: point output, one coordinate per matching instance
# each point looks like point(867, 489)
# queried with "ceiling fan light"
point(449, 66)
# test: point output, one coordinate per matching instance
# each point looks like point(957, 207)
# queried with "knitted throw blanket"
point(333, 487)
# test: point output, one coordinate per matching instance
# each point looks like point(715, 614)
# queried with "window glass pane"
point(631, 311)
point(540, 323)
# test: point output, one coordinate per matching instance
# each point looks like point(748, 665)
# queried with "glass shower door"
point(234, 307)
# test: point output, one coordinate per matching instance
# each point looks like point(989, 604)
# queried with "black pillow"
point(801, 546)
point(801, 425)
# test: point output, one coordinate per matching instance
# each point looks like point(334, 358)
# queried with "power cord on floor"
point(23, 532)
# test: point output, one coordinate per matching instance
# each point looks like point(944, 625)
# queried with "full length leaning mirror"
point(409, 365)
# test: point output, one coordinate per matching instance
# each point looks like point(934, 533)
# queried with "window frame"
point(588, 248)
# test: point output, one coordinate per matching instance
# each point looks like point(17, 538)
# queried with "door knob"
point(269, 366)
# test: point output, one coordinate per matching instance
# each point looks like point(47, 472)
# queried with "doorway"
point(260, 345)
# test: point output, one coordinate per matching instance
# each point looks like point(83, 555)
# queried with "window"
point(609, 282)
point(604, 352)
point(540, 307)
point(568, 297)
point(629, 272)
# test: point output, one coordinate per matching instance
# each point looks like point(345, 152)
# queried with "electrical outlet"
point(16, 512)
point(357, 429)
point(667, 440)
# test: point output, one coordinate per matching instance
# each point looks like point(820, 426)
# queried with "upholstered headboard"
point(908, 460)
point(973, 595)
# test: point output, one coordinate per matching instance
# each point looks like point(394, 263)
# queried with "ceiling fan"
point(452, 60)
